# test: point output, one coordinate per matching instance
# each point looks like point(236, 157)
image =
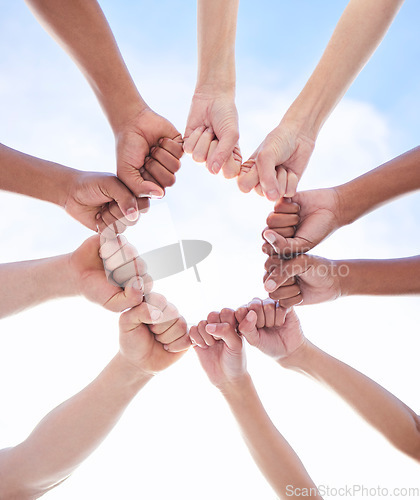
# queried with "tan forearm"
point(31, 176)
point(82, 29)
point(70, 433)
point(272, 453)
point(381, 409)
point(390, 180)
point(380, 277)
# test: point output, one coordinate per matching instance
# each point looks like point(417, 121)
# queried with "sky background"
point(177, 439)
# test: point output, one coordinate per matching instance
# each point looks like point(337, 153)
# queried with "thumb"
point(224, 150)
point(124, 198)
point(248, 328)
point(286, 247)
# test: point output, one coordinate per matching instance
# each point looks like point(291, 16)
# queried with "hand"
point(214, 115)
point(91, 281)
point(140, 345)
point(298, 225)
point(219, 347)
point(270, 328)
point(276, 167)
point(90, 194)
point(148, 151)
point(317, 279)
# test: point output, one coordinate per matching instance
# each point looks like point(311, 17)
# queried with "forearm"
point(42, 179)
point(82, 29)
point(390, 180)
point(271, 452)
point(356, 36)
point(69, 434)
point(380, 277)
point(27, 284)
point(216, 44)
point(381, 409)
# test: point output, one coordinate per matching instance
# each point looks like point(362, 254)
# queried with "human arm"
point(81, 272)
point(73, 430)
point(225, 364)
point(84, 195)
point(319, 280)
point(83, 31)
point(299, 224)
point(213, 117)
point(279, 162)
point(382, 410)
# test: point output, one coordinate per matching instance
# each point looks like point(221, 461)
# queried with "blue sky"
point(48, 110)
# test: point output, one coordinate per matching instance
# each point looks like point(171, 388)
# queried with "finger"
point(228, 316)
point(147, 283)
point(285, 270)
point(173, 146)
point(174, 332)
point(115, 189)
point(196, 338)
point(281, 180)
point(110, 246)
point(108, 226)
point(281, 313)
point(271, 266)
point(213, 317)
point(166, 159)
point(208, 339)
point(142, 314)
point(232, 167)
point(169, 318)
point(162, 175)
point(126, 254)
point(248, 328)
point(292, 301)
point(269, 308)
point(191, 141)
point(115, 212)
point(240, 313)
point(136, 267)
point(179, 345)
point(286, 206)
point(224, 150)
point(203, 144)
point(285, 292)
point(292, 182)
point(280, 220)
point(266, 168)
point(286, 246)
point(258, 190)
point(127, 298)
point(248, 176)
point(225, 332)
point(256, 306)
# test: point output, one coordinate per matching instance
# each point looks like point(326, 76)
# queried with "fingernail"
point(160, 140)
point(249, 316)
point(273, 194)
point(97, 216)
point(155, 315)
point(152, 194)
point(132, 214)
point(270, 285)
point(269, 237)
point(166, 347)
point(215, 168)
point(210, 328)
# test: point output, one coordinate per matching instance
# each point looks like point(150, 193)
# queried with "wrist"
point(347, 208)
point(132, 374)
point(219, 88)
point(124, 109)
point(235, 386)
point(298, 359)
